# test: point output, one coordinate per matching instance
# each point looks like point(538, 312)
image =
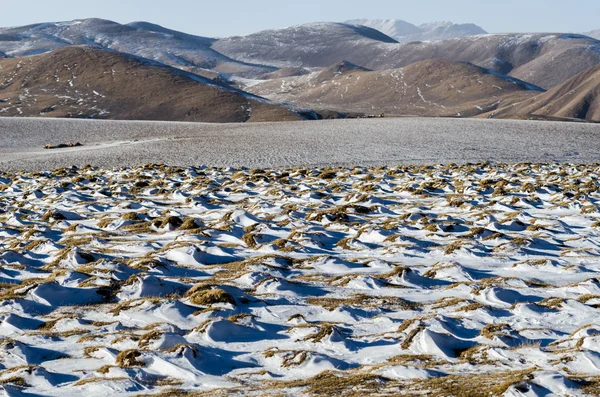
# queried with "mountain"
point(90, 82)
point(405, 32)
point(140, 38)
point(394, 28)
point(427, 88)
point(310, 45)
point(545, 60)
point(577, 98)
point(594, 33)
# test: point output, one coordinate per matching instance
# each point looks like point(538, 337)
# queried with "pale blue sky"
point(232, 17)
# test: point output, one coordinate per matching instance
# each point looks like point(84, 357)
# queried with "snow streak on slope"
point(404, 280)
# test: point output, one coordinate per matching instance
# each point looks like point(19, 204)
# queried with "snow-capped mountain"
point(311, 45)
point(405, 32)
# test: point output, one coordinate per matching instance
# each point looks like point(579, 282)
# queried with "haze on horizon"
point(235, 17)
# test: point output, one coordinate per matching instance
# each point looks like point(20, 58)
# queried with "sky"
point(219, 18)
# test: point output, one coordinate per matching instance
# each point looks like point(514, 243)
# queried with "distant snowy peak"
point(406, 32)
point(392, 27)
point(594, 33)
point(449, 30)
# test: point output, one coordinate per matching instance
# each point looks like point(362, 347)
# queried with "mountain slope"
point(405, 32)
point(139, 38)
point(427, 88)
point(577, 98)
point(310, 45)
point(545, 60)
point(89, 82)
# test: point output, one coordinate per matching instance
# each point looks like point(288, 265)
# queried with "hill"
point(427, 88)
point(142, 39)
point(577, 98)
point(405, 32)
point(89, 82)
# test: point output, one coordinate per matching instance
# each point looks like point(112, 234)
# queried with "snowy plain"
point(388, 141)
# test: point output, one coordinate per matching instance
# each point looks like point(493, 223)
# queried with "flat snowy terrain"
point(423, 280)
point(335, 142)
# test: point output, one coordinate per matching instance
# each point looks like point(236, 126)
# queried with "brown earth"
point(89, 82)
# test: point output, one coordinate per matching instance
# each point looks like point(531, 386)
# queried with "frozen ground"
point(339, 142)
point(447, 280)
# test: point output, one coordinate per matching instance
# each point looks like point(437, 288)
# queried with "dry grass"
point(15, 380)
point(324, 331)
point(409, 338)
point(333, 383)
point(472, 385)
point(129, 359)
point(290, 358)
point(491, 330)
point(203, 295)
point(363, 301)
point(456, 245)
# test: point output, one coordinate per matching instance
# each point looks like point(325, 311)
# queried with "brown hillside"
point(577, 98)
point(428, 88)
point(90, 82)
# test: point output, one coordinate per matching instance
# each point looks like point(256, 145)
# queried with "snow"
point(394, 271)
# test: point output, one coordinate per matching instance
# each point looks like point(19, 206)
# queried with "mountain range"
point(352, 68)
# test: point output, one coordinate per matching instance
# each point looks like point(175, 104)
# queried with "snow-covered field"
point(470, 280)
point(372, 142)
